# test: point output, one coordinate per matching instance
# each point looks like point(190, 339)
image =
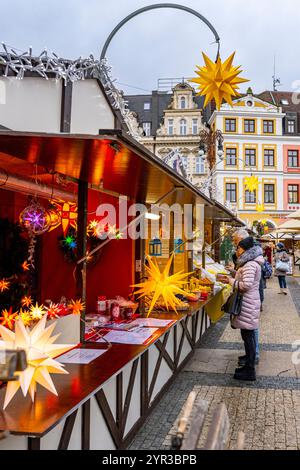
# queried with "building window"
point(230, 125)
point(182, 127)
point(250, 197)
point(250, 157)
point(182, 102)
point(231, 192)
point(231, 156)
point(249, 126)
point(293, 159)
point(170, 126)
point(200, 166)
point(269, 157)
point(291, 127)
point(147, 106)
point(269, 194)
point(293, 194)
point(195, 126)
point(268, 127)
point(147, 128)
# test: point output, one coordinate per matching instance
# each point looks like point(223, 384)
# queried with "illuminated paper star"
point(260, 208)
point(40, 353)
point(162, 286)
point(251, 183)
point(53, 311)
point(263, 222)
point(4, 285)
point(25, 266)
point(218, 81)
point(26, 301)
point(25, 316)
point(37, 311)
point(8, 318)
point(77, 306)
point(93, 224)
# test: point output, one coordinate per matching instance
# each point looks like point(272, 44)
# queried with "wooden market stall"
point(99, 405)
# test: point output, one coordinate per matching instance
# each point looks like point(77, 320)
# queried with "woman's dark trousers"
point(248, 337)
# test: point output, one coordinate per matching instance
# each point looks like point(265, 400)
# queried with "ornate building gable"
point(251, 103)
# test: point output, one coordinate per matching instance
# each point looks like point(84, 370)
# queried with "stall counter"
point(101, 405)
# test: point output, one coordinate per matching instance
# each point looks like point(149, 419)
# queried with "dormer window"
point(182, 102)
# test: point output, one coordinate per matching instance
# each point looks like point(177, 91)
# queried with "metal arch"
point(153, 7)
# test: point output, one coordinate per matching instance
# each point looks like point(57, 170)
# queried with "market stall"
point(108, 378)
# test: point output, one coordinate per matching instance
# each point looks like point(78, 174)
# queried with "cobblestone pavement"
point(268, 410)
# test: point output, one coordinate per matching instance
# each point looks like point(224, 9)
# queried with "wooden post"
point(81, 248)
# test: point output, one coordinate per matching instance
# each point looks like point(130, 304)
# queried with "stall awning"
point(112, 161)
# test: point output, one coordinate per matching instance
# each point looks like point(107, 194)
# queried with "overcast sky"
point(162, 43)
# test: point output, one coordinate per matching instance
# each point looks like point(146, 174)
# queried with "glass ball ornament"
point(35, 218)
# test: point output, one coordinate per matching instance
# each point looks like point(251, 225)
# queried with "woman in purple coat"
point(247, 279)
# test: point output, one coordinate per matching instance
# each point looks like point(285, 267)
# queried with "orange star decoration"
point(37, 311)
point(218, 81)
point(40, 351)
point(260, 208)
point(77, 306)
point(251, 183)
point(160, 285)
point(67, 216)
point(26, 301)
point(8, 318)
point(25, 316)
point(25, 266)
point(4, 285)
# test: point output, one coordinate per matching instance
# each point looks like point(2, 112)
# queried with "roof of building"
point(159, 102)
point(286, 100)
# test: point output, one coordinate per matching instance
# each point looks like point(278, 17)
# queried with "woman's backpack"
point(267, 270)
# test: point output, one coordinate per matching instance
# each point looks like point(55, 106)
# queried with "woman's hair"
point(247, 243)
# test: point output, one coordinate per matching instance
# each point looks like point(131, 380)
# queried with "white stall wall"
point(31, 104)
point(90, 110)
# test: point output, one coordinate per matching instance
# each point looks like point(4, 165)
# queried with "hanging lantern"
point(67, 216)
point(178, 245)
point(54, 218)
point(35, 218)
point(155, 247)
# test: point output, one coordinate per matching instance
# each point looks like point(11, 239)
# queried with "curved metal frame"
point(153, 7)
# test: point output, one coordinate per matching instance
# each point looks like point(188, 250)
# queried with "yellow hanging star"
point(263, 222)
point(251, 183)
point(162, 285)
point(218, 81)
point(4, 285)
point(25, 316)
point(37, 311)
point(260, 208)
point(40, 351)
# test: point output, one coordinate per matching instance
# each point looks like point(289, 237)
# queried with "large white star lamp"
point(40, 351)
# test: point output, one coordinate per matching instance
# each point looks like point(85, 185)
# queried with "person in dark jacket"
point(281, 261)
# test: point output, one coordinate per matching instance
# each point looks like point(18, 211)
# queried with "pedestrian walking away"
point(281, 267)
